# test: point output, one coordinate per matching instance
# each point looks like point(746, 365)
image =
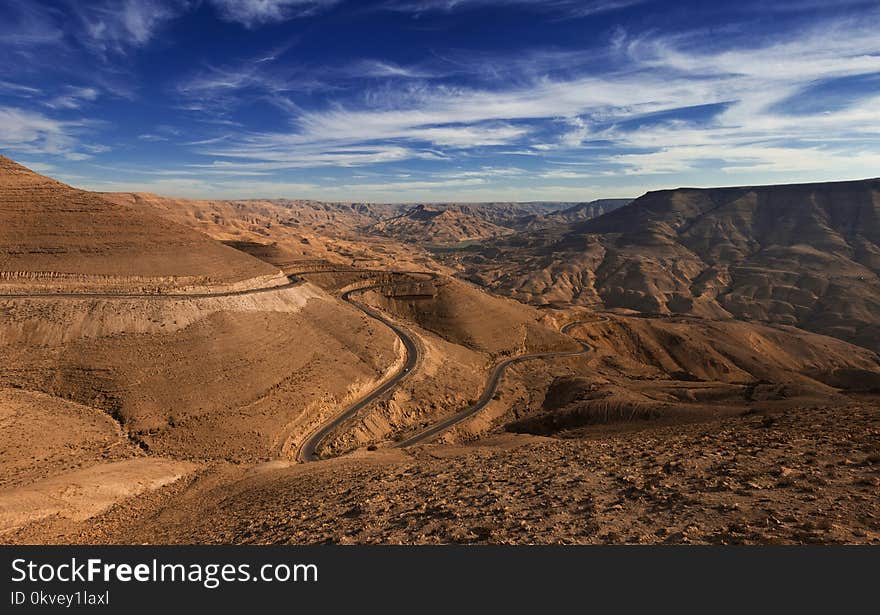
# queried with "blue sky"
point(409, 100)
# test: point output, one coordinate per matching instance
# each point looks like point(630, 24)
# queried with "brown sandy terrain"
point(133, 417)
point(81, 494)
point(42, 435)
point(106, 395)
point(205, 378)
point(65, 460)
point(56, 237)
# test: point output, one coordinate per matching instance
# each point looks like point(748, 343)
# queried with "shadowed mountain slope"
point(805, 255)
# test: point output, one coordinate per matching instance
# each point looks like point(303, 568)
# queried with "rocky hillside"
point(54, 235)
point(805, 255)
point(426, 224)
point(579, 212)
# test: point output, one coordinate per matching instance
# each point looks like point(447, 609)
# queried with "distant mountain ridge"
point(575, 213)
point(426, 224)
point(452, 223)
point(805, 255)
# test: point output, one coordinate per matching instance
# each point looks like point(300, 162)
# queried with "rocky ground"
point(804, 475)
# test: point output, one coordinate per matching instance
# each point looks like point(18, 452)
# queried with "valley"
point(689, 366)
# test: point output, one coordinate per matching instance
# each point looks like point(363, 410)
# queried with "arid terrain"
point(804, 255)
point(694, 366)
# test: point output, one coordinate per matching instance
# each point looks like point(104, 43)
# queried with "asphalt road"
point(497, 373)
point(308, 450)
point(292, 281)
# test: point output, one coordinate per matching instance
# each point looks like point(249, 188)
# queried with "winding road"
point(308, 450)
point(495, 377)
point(291, 282)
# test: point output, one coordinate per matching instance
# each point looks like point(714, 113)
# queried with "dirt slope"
point(217, 378)
point(805, 475)
point(54, 235)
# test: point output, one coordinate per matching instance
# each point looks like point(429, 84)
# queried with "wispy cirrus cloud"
point(220, 89)
point(430, 118)
point(267, 152)
point(388, 69)
point(162, 132)
point(267, 76)
point(25, 24)
point(572, 8)
point(73, 97)
point(119, 25)
point(754, 131)
point(31, 132)
point(253, 13)
point(634, 92)
point(17, 89)
point(640, 111)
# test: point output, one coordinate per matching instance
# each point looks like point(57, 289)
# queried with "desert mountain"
point(501, 213)
point(424, 224)
point(451, 223)
point(143, 418)
point(54, 235)
point(578, 212)
point(259, 215)
point(805, 255)
point(587, 211)
point(289, 230)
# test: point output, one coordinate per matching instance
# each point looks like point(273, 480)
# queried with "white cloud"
point(73, 98)
point(26, 24)
point(273, 155)
point(440, 117)
point(572, 8)
point(18, 90)
point(252, 13)
point(379, 68)
point(116, 26)
point(653, 75)
point(621, 109)
point(462, 190)
point(30, 132)
point(162, 132)
point(465, 136)
point(557, 174)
